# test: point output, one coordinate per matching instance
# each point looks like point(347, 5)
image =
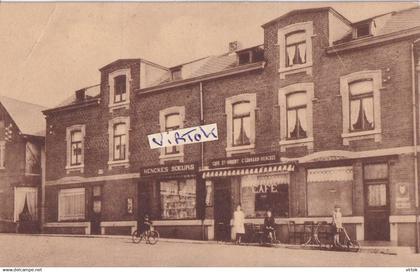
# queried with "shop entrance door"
point(222, 210)
point(376, 202)
point(96, 210)
point(143, 207)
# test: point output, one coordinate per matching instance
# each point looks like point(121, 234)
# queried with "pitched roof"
point(401, 20)
point(27, 116)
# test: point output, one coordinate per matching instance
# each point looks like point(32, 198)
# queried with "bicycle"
point(348, 243)
point(150, 236)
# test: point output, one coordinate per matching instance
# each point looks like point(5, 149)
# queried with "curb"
point(363, 249)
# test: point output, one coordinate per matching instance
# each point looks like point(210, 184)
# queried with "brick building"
point(308, 120)
point(22, 161)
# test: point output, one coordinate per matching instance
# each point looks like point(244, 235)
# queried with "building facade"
point(323, 113)
point(22, 162)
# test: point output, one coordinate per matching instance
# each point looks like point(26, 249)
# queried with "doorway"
point(222, 210)
point(376, 202)
point(96, 209)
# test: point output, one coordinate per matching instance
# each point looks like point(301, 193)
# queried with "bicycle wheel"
point(353, 245)
point(153, 237)
point(136, 237)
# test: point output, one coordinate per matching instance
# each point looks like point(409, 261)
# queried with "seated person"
point(269, 225)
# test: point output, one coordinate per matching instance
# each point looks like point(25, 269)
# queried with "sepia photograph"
point(209, 134)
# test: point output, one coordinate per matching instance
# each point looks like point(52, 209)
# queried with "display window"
point(178, 199)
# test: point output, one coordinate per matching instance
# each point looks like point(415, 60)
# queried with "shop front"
point(257, 182)
point(172, 196)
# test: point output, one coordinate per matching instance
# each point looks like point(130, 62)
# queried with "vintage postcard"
point(238, 134)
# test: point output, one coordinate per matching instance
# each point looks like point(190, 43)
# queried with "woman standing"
point(238, 223)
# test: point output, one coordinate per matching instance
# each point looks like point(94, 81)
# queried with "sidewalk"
point(393, 250)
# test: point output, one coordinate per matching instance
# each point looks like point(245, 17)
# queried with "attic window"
point(363, 30)
point(176, 73)
point(244, 57)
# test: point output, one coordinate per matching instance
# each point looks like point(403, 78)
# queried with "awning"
point(255, 170)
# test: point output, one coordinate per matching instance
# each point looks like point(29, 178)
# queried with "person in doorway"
point(269, 225)
point(337, 225)
point(238, 224)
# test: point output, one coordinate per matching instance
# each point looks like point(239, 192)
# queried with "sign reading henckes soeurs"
point(172, 169)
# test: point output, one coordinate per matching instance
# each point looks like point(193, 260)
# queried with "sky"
point(49, 50)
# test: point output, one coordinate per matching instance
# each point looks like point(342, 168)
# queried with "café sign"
point(173, 169)
point(245, 160)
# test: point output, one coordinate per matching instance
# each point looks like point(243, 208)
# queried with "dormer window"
point(120, 88)
point(363, 30)
point(176, 73)
point(244, 57)
point(295, 48)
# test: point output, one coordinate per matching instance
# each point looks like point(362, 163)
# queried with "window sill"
point(375, 134)
point(78, 168)
point(307, 67)
point(170, 157)
point(230, 150)
point(124, 163)
point(120, 105)
point(308, 142)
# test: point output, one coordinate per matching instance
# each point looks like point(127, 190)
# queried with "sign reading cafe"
point(184, 136)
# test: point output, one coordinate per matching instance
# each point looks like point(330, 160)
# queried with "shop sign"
point(184, 136)
point(246, 160)
point(173, 169)
point(402, 201)
point(265, 189)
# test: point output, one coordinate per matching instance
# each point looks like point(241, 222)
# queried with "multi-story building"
point(323, 113)
point(22, 161)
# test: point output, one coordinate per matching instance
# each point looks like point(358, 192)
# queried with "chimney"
point(80, 95)
point(233, 46)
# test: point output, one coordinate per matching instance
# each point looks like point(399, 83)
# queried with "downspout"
point(415, 144)
point(203, 228)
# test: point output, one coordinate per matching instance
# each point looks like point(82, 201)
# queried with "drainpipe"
point(203, 229)
point(416, 170)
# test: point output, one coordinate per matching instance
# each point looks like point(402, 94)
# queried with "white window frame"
point(111, 161)
point(376, 77)
point(282, 33)
point(69, 168)
point(2, 154)
point(111, 77)
point(229, 102)
point(309, 89)
point(162, 122)
point(73, 191)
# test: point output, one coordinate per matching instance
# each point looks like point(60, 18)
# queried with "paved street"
point(25, 250)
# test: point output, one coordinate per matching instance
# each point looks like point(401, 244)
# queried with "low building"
point(22, 161)
point(314, 117)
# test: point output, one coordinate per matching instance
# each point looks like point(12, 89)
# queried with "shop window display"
point(178, 199)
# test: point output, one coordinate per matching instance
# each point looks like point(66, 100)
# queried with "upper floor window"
point(240, 114)
point(296, 115)
point(76, 147)
point(361, 105)
point(296, 126)
point(118, 131)
point(119, 141)
point(75, 138)
point(172, 118)
point(360, 95)
point(241, 123)
point(120, 88)
point(295, 48)
point(172, 122)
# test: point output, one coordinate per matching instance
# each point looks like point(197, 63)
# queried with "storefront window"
point(178, 199)
point(260, 193)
